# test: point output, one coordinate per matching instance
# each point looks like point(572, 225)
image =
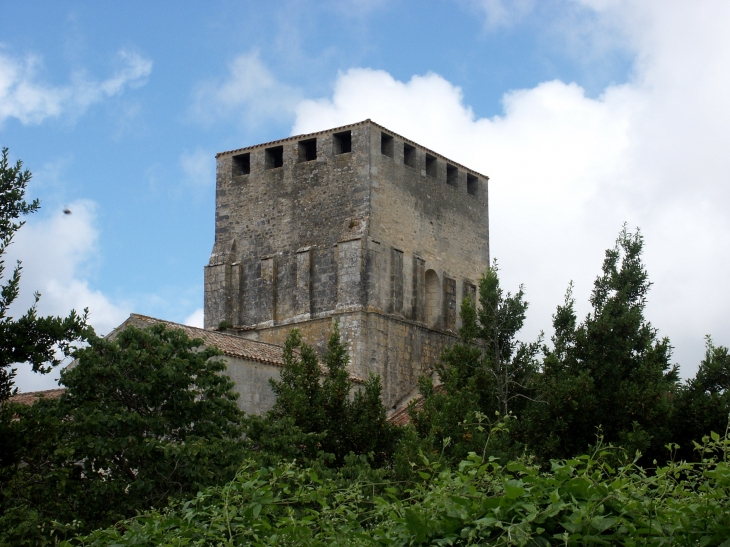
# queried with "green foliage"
point(581, 501)
point(146, 417)
point(611, 370)
point(38, 486)
point(314, 414)
point(40, 341)
point(488, 373)
point(225, 325)
point(149, 420)
point(702, 405)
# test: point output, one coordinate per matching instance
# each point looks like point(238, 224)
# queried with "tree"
point(32, 339)
point(318, 409)
point(702, 404)
point(488, 373)
point(146, 416)
point(611, 371)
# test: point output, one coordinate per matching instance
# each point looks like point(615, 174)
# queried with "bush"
point(584, 500)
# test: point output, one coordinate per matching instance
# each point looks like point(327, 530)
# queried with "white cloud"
point(24, 95)
point(503, 13)
point(249, 92)
point(567, 170)
point(195, 319)
point(56, 252)
point(198, 167)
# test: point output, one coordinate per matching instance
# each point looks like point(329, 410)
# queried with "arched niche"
point(433, 299)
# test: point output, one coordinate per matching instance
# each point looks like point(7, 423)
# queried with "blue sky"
point(585, 113)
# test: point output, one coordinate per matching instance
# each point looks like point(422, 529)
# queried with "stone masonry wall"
point(399, 351)
point(380, 233)
point(430, 216)
point(267, 218)
point(251, 380)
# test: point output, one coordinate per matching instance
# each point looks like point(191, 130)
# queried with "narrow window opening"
point(472, 184)
point(396, 281)
point(449, 316)
point(242, 164)
point(431, 165)
point(274, 157)
point(470, 291)
point(307, 150)
point(452, 175)
point(386, 145)
point(342, 142)
point(433, 300)
point(409, 155)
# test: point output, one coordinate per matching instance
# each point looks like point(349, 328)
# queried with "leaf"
point(602, 523)
point(554, 496)
point(513, 489)
point(485, 522)
point(416, 526)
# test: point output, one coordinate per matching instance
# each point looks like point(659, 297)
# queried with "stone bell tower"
point(357, 224)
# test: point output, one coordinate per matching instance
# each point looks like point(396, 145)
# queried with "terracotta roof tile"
point(402, 417)
point(229, 344)
point(32, 396)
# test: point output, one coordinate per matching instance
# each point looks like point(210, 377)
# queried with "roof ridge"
point(207, 331)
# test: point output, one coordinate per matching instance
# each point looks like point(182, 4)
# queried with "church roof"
point(229, 344)
point(32, 396)
point(402, 415)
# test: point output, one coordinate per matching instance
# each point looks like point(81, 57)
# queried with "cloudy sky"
point(585, 114)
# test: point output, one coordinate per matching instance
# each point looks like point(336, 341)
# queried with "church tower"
point(355, 224)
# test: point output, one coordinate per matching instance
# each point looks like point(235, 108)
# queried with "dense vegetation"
point(582, 501)
point(316, 414)
point(587, 439)
point(145, 417)
point(611, 370)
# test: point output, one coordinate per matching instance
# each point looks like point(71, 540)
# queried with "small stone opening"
point(242, 164)
point(396, 280)
point(342, 142)
point(386, 145)
point(470, 291)
point(472, 184)
point(409, 155)
point(431, 165)
point(274, 157)
point(449, 316)
point(452, 175)
point(307, 150)
point(433, 299)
